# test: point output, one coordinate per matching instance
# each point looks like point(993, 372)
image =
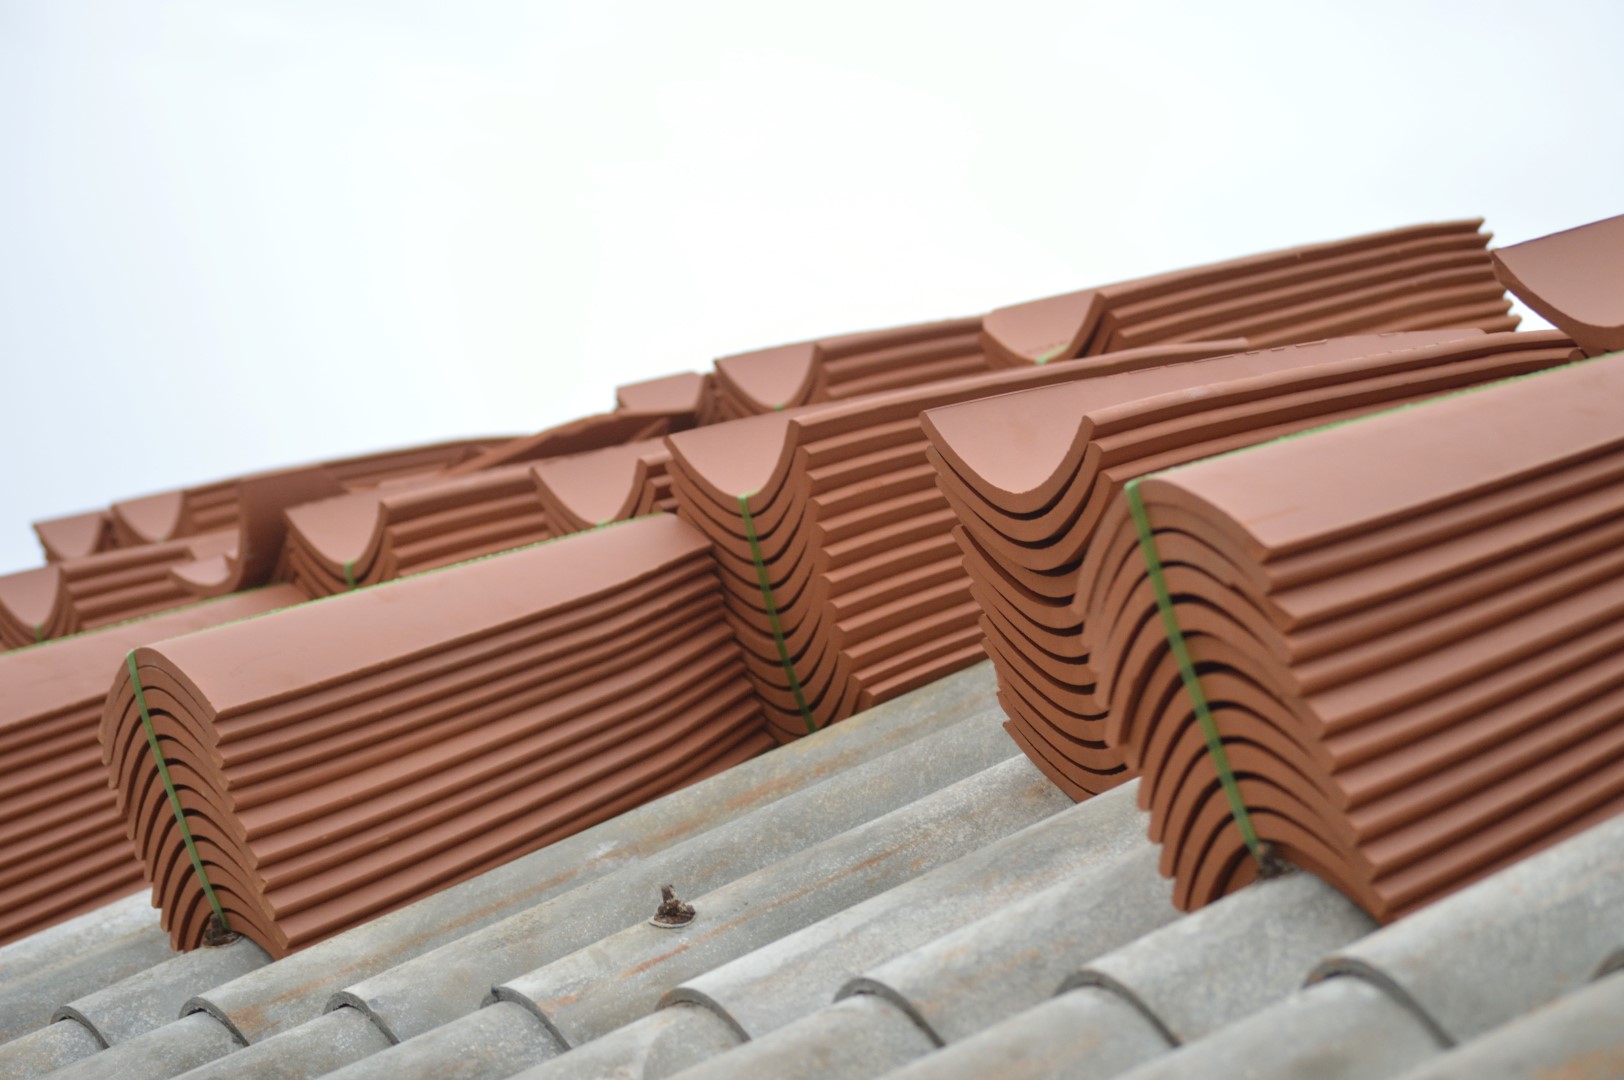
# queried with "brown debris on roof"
point(1034, 478)
point(62, 845)
point(1575, 279)
point(1417, 278)
point(867, 587)
point(341, 759)
point(1408, 630)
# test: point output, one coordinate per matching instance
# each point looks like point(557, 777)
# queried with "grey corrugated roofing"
point(1577, 1035)
point(76, 957)
point(1016, 934)
point(1168, 986)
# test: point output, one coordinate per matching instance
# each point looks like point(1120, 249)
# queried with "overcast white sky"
point(235, 235)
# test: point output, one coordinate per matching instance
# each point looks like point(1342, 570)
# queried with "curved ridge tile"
point(1571, 278)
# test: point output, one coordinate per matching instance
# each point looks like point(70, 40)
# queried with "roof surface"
point(903, 891)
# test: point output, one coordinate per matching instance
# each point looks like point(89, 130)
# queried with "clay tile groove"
point(1408, 629)
point(75, 535)
point(342, 759)
point(581, 491)
point(1035, 483)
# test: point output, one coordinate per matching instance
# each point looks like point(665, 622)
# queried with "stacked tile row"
point(1408, 632)
point(583, 491)
point(1035, 481)
point(836, 368)
point(216, 507)
point(338, 544)
point(341, 759)
point(89, 591)
point(842, 577)
point(62, 845)
point(1417, 278)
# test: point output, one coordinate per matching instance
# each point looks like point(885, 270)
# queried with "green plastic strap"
point(772, 612)
point(169, 788)
point(39, 634)
point(1192, 682)
point(1045, 357)
point(349, 573)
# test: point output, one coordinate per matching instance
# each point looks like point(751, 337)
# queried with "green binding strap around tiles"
point(1049, 354)
point(1192, 682)
point(169, 789)
point(349, 573)
point(772, 612)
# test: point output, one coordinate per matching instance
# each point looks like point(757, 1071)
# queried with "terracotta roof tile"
point(340, 759)
point(62, 846)
point(1572, 279)
point(1036, 479)
point(1415, 677)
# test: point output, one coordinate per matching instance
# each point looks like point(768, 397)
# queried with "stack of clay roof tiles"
point(842, 577)
point(162, 551)
point(851, 365)
point(582, 491)
point(1408, 628)
point(210, 507)
point(339, 759)
point(497, 501)
point(1417, 278)
point(88, 591)
point(1031, 476)
point(62, 843)
point(339, 544)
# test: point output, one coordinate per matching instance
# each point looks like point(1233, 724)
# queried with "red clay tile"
point(63, 848)
point(1572, 278)
point(580, 491)
point(341, 759)
point(837, 368)
point(365, 537)
point(112, 586)
point(854, 538)
point(1408, 628)
point(1035, 480)
point(75, 535)
point(192, 511)
point(1416, 278)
